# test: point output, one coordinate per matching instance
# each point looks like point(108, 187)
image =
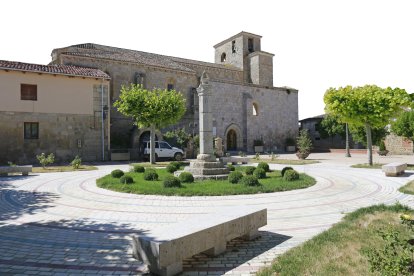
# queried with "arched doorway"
point(231, 140)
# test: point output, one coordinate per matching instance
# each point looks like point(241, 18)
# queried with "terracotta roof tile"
point(68, 70)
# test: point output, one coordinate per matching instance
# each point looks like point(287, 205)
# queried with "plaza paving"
point(62, 224)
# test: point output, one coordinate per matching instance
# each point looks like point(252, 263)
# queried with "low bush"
point(171, 168)
point(126, 179)
point(76, 163)
point(259, 173)
point(264, 166)
point(177, 164)
point(250, 180)
point(138, 169)
point(231, 167)
point(186, 177)
point(45, 160)
point(117, 173)
point(150, 175)
point(249, 170)
point(235, 177)
point(172, 181)
point(291, 175)
point(284, 170)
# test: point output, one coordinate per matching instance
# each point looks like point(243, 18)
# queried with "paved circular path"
point(62, 224)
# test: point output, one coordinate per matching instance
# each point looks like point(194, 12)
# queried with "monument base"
point(207, 167)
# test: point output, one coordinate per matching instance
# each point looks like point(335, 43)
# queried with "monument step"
point(206, 171)
point(200, 164)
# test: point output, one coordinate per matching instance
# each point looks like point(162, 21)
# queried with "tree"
point(359, 134)
point(404, 125)
point(366, 106)
point(154, 109)
point(331, 126)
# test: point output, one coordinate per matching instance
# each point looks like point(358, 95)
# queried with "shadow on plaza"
point(239, 251)
point(15, 202)
point(71, 245)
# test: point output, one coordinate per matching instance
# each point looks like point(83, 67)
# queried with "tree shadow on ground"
point(239, 251)
point(15, 203)
point(69, 246)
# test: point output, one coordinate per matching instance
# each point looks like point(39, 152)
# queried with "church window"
point(250, 45)
point(233, 46)
point(28, 92)
point(255, 109)
point(31, 130)
point(170, 86)
point(223, 57)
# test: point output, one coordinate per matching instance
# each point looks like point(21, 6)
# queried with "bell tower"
point(243, 51)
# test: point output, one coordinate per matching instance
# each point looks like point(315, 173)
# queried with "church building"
point(246, 106)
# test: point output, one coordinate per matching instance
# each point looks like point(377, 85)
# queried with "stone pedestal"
point(206, 166)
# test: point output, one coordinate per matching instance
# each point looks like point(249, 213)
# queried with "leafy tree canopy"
point(366, 105)
point(331, 126)
point(404, 125)
point(157, 107)
point(359, 134)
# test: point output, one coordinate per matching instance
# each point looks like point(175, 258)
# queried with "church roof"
point(67, 70)
point(93, 50)
point(112, 53)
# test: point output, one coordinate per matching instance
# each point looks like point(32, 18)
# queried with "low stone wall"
point(398, 145)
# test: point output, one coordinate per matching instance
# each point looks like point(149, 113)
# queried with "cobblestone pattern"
point(62, 224)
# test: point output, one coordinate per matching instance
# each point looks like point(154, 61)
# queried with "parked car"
point(163, 150)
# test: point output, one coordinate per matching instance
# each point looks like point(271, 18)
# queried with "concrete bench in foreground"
point(394, 169)
point(4, 170)
point(164, 250)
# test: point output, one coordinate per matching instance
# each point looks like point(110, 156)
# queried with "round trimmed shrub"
point(291, 175)
point(259, 173)
point(126, 179)
point(235, 177)
point(171, 168)
point(172, 181)
point(117, 173)
point(150, 175)
point(250, 180)
point(176, 164)
point(231, 167)
point(186, 177)
point(249, 170)
point(264, 166)
point(139, 169)
point(284, 170)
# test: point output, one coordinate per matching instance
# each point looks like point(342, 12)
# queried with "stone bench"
point(164, 250)
point(394, 169)
point(234, 160)
point(5, 170)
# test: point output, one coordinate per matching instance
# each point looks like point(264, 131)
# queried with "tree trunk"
point(152, 144)
point(347, 154)
point(369, 144)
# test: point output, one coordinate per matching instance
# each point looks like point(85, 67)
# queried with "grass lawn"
point(339, 250)
point(377, 166)
point(408, 188)
point(273, 183)
point(62, 169)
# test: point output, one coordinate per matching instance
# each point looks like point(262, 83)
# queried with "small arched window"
point(255, 109)
point(223, 57)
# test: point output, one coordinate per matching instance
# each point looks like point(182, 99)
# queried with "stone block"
point(163, 250)
point(394, 169)
point(4, 170)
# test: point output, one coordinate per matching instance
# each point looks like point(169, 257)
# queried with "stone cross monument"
point(206, 166)
point(206, 120)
